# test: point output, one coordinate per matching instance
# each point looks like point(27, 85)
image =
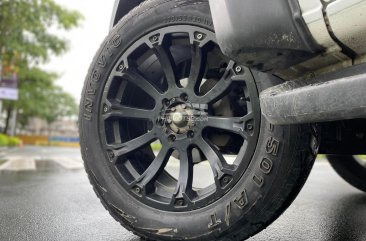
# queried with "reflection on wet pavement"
point(58, 204)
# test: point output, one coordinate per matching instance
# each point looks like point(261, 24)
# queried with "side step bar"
point(329, 98)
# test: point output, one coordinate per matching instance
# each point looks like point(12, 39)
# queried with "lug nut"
point(238, 69)
point(250, 127)
point(137, 190)
point(105, 108)
point(154, 38)
point(184, 97)
point(179, 202)
point(171, 138)
point(199, 36)
point(111, 154)
point(161, 122)
point(166, 102)
point(225, 179)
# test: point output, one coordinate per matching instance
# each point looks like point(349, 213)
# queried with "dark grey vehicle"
point(242, 93)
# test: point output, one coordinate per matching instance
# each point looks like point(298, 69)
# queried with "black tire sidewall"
point(349, 169)
point(265, 194)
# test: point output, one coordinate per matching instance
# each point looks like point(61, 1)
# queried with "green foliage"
point(4, 140)
point(27, 37)
point(156, 146)
point(9, 141)
point(14, 141)
point(59, 104)
point(39, 97)
point(26, 28)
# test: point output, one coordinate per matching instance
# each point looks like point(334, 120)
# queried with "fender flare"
point(121, 8)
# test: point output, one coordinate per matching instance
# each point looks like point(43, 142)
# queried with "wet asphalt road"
point(60, 205)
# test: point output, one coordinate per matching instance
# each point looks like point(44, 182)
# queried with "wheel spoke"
point(132, 145)
point(168, 65)
point(154, 170)
point(184, 185)
point(219, 89)
point(140, 81)
point(120, 111)
point(197, 67)
point(217, 162)
point(232, 124)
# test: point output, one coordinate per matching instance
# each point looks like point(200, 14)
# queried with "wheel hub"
point(179, 117)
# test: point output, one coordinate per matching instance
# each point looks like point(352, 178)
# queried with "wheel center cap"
point(178, 118)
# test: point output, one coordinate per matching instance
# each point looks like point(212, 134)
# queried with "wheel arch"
point(121, 8)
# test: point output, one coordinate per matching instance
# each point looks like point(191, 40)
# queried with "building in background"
point(63, 132)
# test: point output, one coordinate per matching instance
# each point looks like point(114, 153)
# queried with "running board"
point(317, 100)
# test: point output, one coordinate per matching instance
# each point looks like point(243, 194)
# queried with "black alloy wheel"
point(167, 86)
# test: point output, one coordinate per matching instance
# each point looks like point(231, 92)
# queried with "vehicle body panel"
point(347, 19)
point(264, 38)
point(338, 28)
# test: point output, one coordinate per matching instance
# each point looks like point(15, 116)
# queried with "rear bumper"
point(336, 96)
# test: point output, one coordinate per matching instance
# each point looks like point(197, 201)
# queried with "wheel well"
point(346, 137)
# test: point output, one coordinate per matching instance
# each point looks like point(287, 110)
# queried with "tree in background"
point(39, 97)
point(27, 39)
point(61, 105)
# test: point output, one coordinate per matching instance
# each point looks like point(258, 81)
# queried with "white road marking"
point(16, 163)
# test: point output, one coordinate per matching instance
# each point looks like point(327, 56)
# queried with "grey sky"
point(83, 41)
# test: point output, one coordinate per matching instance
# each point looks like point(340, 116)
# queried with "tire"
point(246, 196)
point(350, 169)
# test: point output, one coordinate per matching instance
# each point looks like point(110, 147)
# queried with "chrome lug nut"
point(199, 36)
point(238, 69)
point(105, 108)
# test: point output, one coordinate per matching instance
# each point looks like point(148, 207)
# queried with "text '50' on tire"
point(172, 135)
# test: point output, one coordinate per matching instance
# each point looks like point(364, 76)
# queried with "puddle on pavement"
point(48, 165)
